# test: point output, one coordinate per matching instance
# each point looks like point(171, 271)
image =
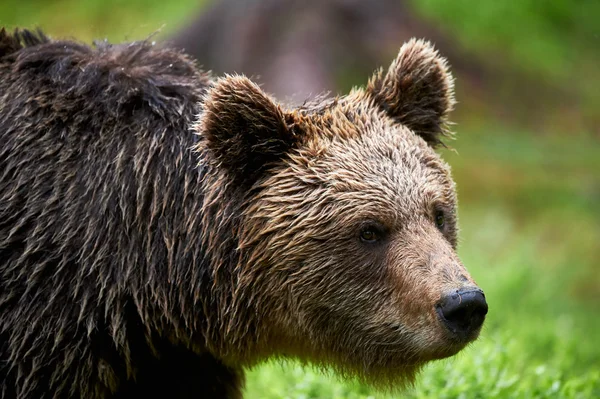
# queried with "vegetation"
point(553, 42)
point(88, 20)
point(528, 203)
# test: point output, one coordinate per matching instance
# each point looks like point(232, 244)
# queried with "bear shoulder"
point(104, 77)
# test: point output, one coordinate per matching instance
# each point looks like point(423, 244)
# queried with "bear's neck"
point(190, 233)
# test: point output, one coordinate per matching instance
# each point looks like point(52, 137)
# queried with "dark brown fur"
point(141, 257)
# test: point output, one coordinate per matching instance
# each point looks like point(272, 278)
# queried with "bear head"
point(346, 229)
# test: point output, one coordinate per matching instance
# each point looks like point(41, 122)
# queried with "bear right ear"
point(417, 90)
point(243, 128)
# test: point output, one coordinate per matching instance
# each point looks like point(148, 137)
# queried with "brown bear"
point(161, 230)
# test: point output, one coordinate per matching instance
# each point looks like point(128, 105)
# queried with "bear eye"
point(371, 233)
point(440, 219)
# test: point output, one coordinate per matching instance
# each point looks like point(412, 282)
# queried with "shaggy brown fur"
point(141, 258)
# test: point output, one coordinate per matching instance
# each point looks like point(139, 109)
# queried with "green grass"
point(528, 204)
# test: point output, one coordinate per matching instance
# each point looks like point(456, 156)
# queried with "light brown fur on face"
point(303, 227)
point(316, 291)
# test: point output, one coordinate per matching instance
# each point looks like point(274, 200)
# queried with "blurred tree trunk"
point(300, 48)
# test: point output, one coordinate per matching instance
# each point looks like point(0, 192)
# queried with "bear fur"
point(161, 230)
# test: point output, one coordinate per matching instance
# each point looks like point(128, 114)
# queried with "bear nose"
point(463, 311)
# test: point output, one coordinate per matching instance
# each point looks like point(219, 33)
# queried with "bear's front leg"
point(179, 373)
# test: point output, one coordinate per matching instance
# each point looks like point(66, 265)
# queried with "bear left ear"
point(417, 90)
point(244, 129)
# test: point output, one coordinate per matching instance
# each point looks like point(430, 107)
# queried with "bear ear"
point(243, 128)
point(417, 90)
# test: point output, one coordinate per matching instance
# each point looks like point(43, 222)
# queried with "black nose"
point(463, 311)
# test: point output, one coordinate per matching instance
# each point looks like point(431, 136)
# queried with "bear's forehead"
point(383, 167)
point(386, 155)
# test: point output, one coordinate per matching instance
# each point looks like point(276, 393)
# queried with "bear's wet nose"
point(463, 311)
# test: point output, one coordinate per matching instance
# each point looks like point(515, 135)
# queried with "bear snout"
point(463, 311)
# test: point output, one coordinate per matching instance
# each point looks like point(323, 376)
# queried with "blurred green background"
point(527, 164)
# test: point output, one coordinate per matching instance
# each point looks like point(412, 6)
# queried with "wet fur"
point(161, 230)
point(101, 269)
